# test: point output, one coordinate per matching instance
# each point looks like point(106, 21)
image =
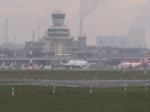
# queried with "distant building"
point(135, 39)
point(78, 48)
point(37, 48)
point(112, 41)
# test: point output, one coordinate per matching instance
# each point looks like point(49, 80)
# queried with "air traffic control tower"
point(58, 34)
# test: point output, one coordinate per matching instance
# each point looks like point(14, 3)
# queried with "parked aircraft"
point(80, 64)
point(134, 65)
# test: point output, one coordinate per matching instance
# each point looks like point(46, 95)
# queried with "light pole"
point(123, 43)
point(15, 52)
point(38, 32)
point(100, 53)
point(46, 57)
point(3, 51)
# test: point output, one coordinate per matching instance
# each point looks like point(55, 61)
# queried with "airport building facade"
point(58, 44)
point(58, 40)
point(134, 39)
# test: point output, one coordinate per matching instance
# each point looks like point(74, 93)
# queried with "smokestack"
point(33, 35)
point(38, 32)
point(88, 6)
point(81, 27)
point(6, 30)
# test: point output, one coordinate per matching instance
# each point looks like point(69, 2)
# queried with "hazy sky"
point(108, 17)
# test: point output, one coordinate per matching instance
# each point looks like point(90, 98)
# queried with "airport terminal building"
point(58, 40)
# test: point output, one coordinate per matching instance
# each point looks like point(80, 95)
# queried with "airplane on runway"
point(80, 64)
point(134, 65)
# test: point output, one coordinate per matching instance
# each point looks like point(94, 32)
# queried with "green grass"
point(41, 99)
point(74, 75)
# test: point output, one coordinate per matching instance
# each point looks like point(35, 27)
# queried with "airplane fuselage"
point(75, 64)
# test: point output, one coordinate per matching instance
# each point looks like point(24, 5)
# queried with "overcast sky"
point(107, 17)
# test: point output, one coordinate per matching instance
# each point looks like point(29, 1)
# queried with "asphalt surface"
point(76, 83)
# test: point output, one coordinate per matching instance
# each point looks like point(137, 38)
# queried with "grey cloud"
point(88, 6)
point(142, 17)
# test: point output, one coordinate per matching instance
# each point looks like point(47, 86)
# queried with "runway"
point(76, 83)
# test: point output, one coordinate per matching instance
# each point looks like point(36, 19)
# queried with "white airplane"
point(81, 64)
point(133, 65)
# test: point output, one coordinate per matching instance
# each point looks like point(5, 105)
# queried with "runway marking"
point(65, 85)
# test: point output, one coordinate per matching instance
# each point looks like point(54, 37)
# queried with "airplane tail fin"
point(61, 63)
point(145, 61)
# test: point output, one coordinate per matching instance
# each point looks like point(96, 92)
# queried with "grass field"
point(74, 75)
point(41, 99)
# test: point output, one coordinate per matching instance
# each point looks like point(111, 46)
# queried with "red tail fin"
point(144, 62)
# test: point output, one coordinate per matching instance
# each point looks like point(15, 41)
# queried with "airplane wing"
point(64, 64)
point(70, 66)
